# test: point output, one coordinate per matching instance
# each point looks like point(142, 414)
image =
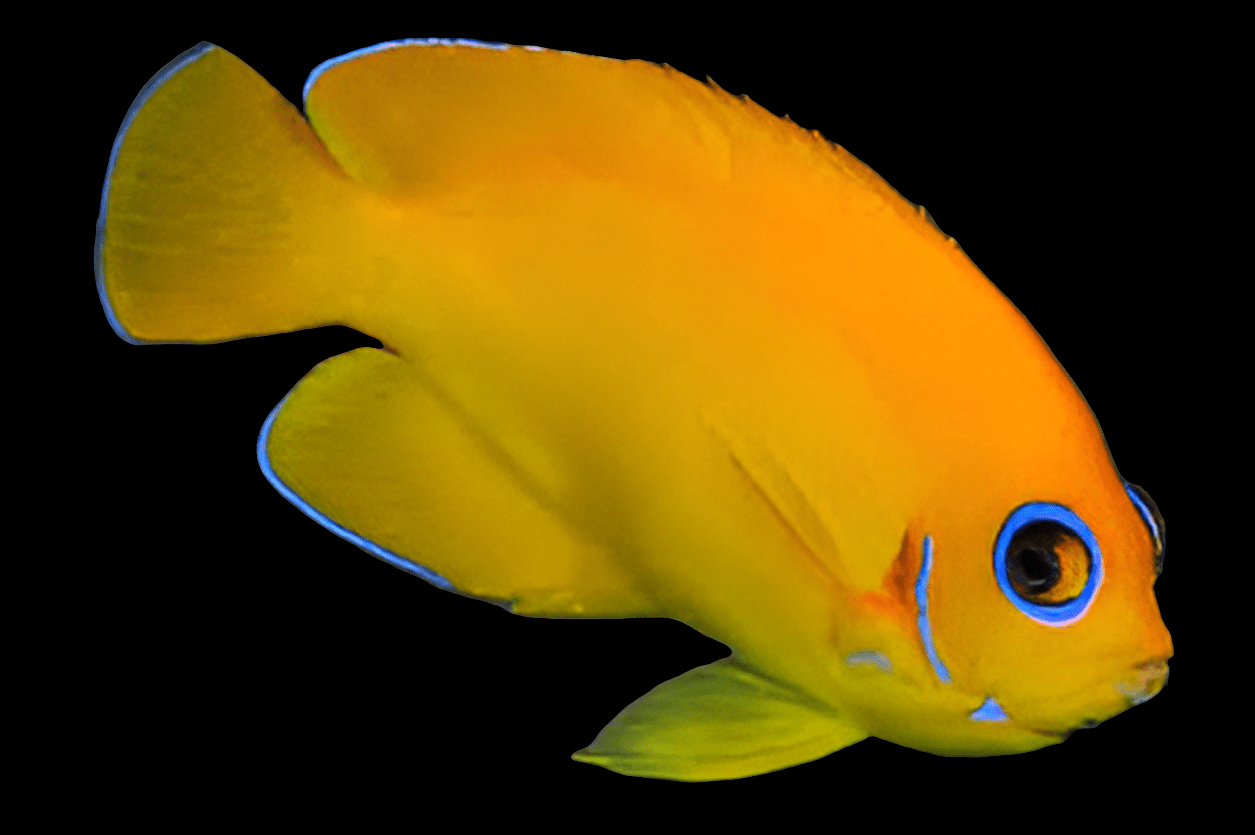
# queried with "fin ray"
point(222, 215)
point(718, 722)
point(366, 444)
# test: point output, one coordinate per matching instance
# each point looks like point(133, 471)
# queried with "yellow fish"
point(650, 351)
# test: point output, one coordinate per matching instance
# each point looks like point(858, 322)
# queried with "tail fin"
point(221, 210)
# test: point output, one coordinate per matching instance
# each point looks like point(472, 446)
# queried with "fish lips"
point(1148, 682)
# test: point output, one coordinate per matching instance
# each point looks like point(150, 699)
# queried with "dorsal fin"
point(420, 116)
point(415, 116)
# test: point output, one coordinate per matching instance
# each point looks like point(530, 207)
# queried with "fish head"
point(1041, 602)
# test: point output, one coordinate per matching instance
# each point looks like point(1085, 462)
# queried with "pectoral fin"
point(718, 722)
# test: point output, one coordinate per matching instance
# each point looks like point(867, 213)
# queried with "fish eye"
point(1150, 514)
point(1048, 563)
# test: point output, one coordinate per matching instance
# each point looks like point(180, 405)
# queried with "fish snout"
point(1147, 680)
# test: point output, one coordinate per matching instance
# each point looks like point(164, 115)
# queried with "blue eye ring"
point(1150, 514)
point(1064, 614)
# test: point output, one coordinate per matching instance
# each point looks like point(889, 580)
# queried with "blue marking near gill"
point(1147, 516)
point(381, 47)
point(989, 711)
point(144, 95)
point(1064, 614)
point(870, 657)
point(921, 603)
point(336, 528)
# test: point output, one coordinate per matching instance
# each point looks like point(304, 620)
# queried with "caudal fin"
point(222, 216)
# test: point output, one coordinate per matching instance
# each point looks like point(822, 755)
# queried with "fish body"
point(652, 352)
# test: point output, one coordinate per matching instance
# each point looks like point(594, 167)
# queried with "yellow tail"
point(221, 210)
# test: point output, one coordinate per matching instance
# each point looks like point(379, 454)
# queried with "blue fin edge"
point(385, 46)
point(339, 530)
point(188, 57)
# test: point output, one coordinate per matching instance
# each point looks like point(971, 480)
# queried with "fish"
point(649, 351)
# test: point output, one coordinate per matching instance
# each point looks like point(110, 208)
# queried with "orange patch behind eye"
point(896, 596)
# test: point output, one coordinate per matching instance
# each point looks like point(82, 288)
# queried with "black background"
point(243, 648)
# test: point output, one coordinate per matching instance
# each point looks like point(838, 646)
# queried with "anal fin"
point(718, 722)
point(362, 446)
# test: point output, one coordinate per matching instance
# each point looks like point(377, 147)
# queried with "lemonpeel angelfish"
point(653, 352)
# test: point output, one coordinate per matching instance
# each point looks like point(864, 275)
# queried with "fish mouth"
point(1148, 681)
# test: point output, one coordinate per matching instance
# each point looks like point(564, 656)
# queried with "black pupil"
point(1032, 563)
point(1036, 571)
